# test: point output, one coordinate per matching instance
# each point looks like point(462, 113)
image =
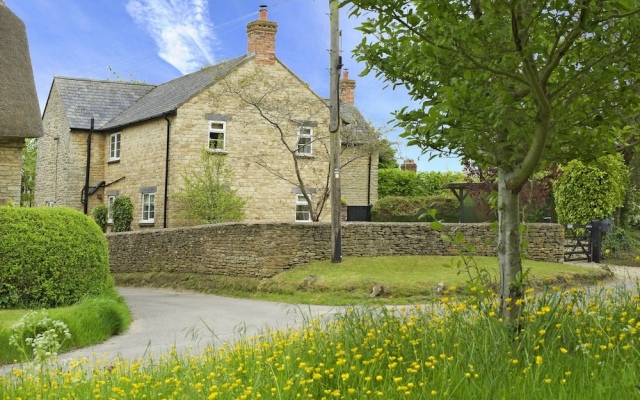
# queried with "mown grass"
point(573, 344)
point(91, 321)
point(405, 280)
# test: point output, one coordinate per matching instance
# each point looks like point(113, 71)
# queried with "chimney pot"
point(347, 88)
point(409, 165)
point(261, 35)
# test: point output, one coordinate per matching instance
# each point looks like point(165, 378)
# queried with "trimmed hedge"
point(50, 257)
point(409, 209)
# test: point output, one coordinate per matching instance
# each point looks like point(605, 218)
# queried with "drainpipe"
point(166, 170)
point(86, 181)
point(369, 182)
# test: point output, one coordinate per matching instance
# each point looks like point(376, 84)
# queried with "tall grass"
point(573, 344)
point(91, 321)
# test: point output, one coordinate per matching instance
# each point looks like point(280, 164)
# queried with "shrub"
point(206, 194)
point(122, 210)
point(395, 182)
point(619, 243)
point(50, 257)
point(409, 209)
point(585, 192)
point(100, 214)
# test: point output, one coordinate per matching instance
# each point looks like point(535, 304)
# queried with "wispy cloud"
point(181, 29)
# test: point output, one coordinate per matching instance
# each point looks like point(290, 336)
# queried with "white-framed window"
point(217, 136)
point(302, 209)
point(305, 139)
point(148, 207)
point(110, 200)
point(114, 146)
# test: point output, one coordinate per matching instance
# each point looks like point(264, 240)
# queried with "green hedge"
point(409, 209)
point(395, 182)
point(50, 257)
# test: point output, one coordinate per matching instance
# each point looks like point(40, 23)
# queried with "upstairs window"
point(305, 139)
point(302, 209)
point(217, 136)
point(114, 147)
point(148, 207)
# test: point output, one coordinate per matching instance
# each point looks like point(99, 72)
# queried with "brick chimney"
point(409, 165)
point(347, 88)
point(261, 35)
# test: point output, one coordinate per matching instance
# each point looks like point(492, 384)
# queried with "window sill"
point(215, 151)
point(114, 161)
point(304, 155)
point(146, 223)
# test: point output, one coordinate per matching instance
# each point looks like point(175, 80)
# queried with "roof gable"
point(84, 99)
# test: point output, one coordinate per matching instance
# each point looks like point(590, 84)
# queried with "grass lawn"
point(405, 280)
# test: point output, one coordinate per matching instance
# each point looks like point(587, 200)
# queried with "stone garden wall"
point(265, 249)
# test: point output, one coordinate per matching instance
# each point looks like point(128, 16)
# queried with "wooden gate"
point(359, 213)
point(577, 243)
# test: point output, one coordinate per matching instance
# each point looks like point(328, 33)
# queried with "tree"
point(508, 84)
point(206, 193)
point(387, 155)
point(585, 192)
point(28, 172)
point(300, 125)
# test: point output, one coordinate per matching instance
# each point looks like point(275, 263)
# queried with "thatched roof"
point(19, 108)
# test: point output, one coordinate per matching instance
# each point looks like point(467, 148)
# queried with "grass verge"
point(405, 280)
point(574, 344)
point(91, 321)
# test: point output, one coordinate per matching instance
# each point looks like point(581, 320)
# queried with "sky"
point(155, 41)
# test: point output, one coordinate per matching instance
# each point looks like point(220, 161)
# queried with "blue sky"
point(158, 40)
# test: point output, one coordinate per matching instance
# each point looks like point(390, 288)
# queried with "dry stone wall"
point(265, 249)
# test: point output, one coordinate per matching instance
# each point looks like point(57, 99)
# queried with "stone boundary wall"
point(265, 249)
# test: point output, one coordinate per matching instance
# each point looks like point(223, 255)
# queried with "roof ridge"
point(103, 81)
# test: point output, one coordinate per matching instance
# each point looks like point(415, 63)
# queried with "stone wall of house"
point(10, 170)
point(263, 168)
point(141, 168)
point(359, 178)
point(265, 249)
point(49, 163)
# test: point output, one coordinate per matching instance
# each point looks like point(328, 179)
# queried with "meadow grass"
point(91, 321)
point(405, 279)
point(573, 344)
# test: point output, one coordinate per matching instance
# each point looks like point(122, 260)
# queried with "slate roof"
point(169, 96)
point(355, 122)
point(102, 100)
point(114, 104)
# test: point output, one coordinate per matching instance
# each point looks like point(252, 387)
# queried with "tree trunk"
point(508, 249)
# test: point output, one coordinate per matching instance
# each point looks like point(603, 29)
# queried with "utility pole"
point(334, 129)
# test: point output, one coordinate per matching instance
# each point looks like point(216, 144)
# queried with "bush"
point(586, 192)
point(409, 209)
point(395, 182)
point(100, 214)
point(206, 194)
point(619, 243)
point(50, 257)
point(122, 210)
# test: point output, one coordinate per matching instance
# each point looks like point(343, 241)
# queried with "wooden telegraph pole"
point(334, 129)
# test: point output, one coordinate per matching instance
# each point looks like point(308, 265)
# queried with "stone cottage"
point(19, 109)
point(108, 138)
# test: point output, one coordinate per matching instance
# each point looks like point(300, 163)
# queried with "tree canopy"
point(508, 84)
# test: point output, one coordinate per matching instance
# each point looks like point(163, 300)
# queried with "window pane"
point(217, 125)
